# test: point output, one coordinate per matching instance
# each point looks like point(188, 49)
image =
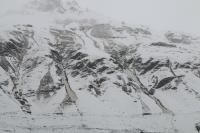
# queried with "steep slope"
point(63, 69)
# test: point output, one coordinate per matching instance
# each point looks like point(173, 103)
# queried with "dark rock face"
point(94, 64)
point(25, 106)
point(5, 64)
point(102, 69)
point(46, 86)
point(79, 56)
point(162, 44)
point(151, 91)
point(149, 65)
point(12, 48)
point(153, 65)
point(96, 86)
point(164, 81)
point(197, 126)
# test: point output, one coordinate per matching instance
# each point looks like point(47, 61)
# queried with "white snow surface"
point(114, 111)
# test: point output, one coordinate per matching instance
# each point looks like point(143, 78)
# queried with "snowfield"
point(64, 69)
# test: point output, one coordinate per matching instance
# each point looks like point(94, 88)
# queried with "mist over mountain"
point(67, 69)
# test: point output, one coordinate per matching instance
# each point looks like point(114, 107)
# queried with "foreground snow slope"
point(65, 69)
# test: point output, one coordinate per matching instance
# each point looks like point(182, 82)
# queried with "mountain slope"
point(63, 69)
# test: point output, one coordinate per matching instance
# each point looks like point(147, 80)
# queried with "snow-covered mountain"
point(67, 69)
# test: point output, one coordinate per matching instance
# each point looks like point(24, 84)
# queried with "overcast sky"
point(180, 15)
